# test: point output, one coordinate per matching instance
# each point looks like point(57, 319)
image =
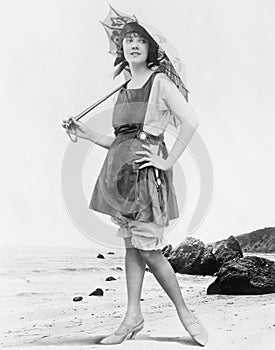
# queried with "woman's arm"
point(86, 133)
point(186, 132)
point(101, 140)
point(188, 123)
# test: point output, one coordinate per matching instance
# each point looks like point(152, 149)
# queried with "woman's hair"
point(128, 29)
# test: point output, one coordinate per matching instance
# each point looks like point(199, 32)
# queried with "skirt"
point(140, 201)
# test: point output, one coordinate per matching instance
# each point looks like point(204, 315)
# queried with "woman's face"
point(135, 48)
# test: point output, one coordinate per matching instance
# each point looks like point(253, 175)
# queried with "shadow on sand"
point(94, 340)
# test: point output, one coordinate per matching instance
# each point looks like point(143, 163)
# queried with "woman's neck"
point(138, 72)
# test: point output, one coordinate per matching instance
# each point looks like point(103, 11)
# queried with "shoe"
point(122, 332)
point(197, 331)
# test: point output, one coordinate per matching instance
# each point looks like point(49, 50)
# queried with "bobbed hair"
point(128, 29)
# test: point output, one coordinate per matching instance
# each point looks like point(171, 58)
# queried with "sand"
point(233, 322)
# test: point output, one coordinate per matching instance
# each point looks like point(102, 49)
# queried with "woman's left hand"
point(152, 158)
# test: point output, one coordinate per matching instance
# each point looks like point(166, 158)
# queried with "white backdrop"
point(54, 63)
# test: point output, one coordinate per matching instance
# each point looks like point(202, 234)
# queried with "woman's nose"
point(135, 45)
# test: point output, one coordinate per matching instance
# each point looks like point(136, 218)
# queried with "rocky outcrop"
point(166, 251)
point(261, 241)
point(192, 257)
point(244, 276)
point(228, 250)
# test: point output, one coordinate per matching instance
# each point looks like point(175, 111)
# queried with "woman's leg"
point(132, 323)
point(166, 277)
point(135, 269)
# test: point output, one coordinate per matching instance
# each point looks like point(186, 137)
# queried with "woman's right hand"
point(81, 130)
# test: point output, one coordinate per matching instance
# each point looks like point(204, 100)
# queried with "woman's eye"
point(128, 40)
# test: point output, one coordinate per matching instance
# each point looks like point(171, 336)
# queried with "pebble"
point(98, 292)
point(111, 278)
point(77, 298)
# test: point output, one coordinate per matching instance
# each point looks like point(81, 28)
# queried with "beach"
point(38, 311)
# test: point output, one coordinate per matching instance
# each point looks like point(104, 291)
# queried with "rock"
point(208, 261)
point(111, 253)
point(193, 257)
point(166, 251)
point(245, 276)
point(228, 250)
point(77, 298)
point(233, 244)
point(100, 256)
point(111, 278)
point(117, 268)
point(97, 292)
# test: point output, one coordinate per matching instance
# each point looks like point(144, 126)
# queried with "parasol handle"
point(94, 105)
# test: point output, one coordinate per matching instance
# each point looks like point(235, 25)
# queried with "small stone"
point(77, 298)
point(100, 256)
point(97, 292)
point(111, 278)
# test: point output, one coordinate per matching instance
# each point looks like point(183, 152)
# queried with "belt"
point(136, 128)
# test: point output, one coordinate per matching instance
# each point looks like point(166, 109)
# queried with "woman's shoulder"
point(163, 81)
point(162, 76)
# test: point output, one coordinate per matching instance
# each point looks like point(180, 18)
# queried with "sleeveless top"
point(122, 190)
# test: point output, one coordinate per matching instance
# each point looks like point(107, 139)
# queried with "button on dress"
point(140, 201)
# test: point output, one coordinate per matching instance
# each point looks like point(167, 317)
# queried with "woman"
point(135, 185)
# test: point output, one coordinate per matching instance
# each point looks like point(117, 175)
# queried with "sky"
point(54, 63)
